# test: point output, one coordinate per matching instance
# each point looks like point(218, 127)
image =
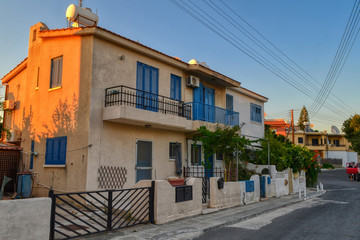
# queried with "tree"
point(351, 128)
point(226, 141)
point(3, 130)
point(303, 118)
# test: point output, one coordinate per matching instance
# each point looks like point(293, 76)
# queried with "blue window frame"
point(147, 81)
point(56, 151)
point(175, 87)
point(255, 113)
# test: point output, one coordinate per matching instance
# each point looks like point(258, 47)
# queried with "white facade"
point(243, 99)
point(344, 155)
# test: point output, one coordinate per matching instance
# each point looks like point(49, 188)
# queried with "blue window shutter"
point(139, 76)
point(62, 150)
point(172, 87)
point(56, 151)
point(49, 151)
point(175, 87)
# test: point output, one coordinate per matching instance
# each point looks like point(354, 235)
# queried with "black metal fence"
point(123, 95)
point(204, 174)
point(85, 213)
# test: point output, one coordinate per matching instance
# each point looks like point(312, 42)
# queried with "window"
point(195, 154)
point(172, 150)
point(229, 102)
point(300, 140)
point(34, 35)
point(219, 156)
point(56, 151)
point(56, 72)
point(255, 113)
point(175, 87)
point(37, 77)
point(147, 82)
point(337, 142)
point(315, 142)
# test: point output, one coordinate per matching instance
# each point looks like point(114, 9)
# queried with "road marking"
point(341, 189)
point(258, 222)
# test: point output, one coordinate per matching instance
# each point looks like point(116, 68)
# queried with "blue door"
point(147, 83)
point(209, 100)
point(198, 106)
point(209, 166)
point(262, 186)
point(204, 104)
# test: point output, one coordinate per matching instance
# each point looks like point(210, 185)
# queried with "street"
point(333, 215)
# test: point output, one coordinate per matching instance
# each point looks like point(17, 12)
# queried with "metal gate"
point(205, 189)
point(85, 213)
point(262, 187)
point(201, 172)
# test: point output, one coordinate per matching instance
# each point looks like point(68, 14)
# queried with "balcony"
point(212, 114)
point(128, 105)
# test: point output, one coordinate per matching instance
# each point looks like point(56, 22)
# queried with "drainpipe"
point(269, 155)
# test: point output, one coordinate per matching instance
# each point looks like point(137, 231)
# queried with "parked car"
point(353, 171)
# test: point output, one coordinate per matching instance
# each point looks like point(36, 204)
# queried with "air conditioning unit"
point(193, 81)
point(8, 105)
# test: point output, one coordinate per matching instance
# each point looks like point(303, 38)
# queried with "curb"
point(240, 219)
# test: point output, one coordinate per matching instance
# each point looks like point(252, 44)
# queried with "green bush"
point(327, 165)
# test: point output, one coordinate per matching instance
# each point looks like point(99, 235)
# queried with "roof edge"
point(15, 71)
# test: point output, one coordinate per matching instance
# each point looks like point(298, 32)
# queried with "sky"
point(307, 31)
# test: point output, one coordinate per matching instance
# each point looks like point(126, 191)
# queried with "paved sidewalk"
point(191, 227)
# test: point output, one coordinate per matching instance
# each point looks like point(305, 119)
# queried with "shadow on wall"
point(63, 122)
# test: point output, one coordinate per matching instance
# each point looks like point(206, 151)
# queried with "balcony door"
point(204, 104)
point(147, 85)
point(143, 160)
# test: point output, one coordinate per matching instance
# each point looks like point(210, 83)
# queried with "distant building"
point(278, 125)
point(327, 145)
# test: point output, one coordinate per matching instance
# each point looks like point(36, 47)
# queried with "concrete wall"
point(25, 219)
point(258, 169)
point(352, 157)
point(339, 154)
point(166, 209)
point(233, 193)
point(298, 181)
point(282, 183)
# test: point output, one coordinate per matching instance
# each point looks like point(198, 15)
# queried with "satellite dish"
point(335, 130)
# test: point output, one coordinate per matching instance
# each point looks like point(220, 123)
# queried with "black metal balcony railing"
point(123, 95)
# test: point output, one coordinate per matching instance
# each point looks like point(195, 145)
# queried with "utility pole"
point(292, 126)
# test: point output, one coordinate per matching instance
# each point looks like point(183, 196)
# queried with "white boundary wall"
point(165, 207)
point(25, 218)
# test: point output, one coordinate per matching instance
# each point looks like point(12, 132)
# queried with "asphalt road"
point(334, 215)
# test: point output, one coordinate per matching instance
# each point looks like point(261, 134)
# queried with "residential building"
point(95, 110)
point(327, 145)
point(278, 125)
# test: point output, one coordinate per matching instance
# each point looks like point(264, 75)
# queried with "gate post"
point(151, 202)
point(109, 213)
point(52, 214)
